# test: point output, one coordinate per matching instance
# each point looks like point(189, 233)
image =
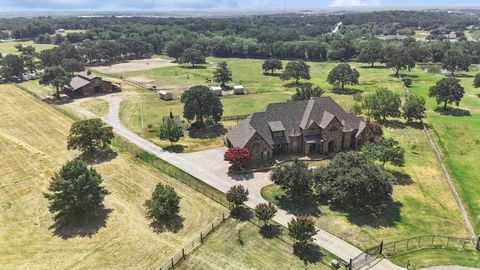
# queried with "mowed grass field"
point(8, 47)
point(33, 147)
point(142, 110)
point(458, 135)
point(224, 250)
point(428, 257)
point(423, 203)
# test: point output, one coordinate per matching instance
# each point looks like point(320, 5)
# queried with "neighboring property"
point(304, 127)
point(239, 89)
point(165, 95)
point(216, 90)
point(150, 86)
point(85, 84)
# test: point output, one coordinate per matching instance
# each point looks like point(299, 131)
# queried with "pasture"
point(8, 47)
point(238, 245)
point(33, 146)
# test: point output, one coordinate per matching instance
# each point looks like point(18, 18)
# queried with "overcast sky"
point(159, 5)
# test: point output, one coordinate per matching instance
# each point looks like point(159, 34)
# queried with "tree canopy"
point(192, 56)
point(302, 229)
point(398, 57)
point(272, 65)
point(237, 156)
point(382, 104)
point(296, 70)
point(447, 91)
point(237, 195)
point(455, 60)
point(265, 212)
point(385, 150)
point(164, 203)
point(305, 92)
point(371, 52)
point(169, 130)
point(75, 191)
point(342, 75)
point(201, 104)
point(12, 67)
point(476, 81)
point(57, 77)
point(295, 180)
point(414, 108)
point(352, 181)
point(89, 135)
point(222, 74)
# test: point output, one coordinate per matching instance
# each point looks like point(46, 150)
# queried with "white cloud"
point(354, 3)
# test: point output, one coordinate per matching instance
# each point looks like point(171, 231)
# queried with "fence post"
point(350, 264)
point(201, 238)
point(213, 228)
point(433, 238)
point(419, 241)
point(223, 216)
point(448, 240)
point(478, 243)
point(173, 266)
point(183, 253)
point(394, 246)
point(381, 248)
point(408, 240)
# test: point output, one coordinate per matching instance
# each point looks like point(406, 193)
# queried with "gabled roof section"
point(78, 82)
point(306, 114)
point(326, 119)
point(276, 126)
point(291, 117)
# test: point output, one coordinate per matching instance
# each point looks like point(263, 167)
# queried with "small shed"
point(165, 95)
point(239, 89)
point(150, 86)
point(176, 119)
point(216, 90)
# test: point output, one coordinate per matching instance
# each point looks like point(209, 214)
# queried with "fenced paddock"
point(412, 244)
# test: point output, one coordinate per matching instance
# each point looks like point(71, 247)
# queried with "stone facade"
point(259, 149)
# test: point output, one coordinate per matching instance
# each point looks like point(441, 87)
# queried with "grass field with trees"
point(8, 47)
point(238, 245)
point(33, 142)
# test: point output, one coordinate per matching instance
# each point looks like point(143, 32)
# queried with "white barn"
point(239, 89)
point(165, 95)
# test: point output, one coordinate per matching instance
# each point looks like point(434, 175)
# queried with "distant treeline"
point(294, 36)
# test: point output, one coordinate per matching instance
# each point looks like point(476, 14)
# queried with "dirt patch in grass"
point(135, 65)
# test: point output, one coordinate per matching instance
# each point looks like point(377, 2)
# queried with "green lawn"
point(8, 47)
point(423, 202)
point(429, 257)
point(458, 135)
point(224, 250)
point(97, 106)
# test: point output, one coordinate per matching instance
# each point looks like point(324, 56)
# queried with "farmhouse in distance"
point(318, 125)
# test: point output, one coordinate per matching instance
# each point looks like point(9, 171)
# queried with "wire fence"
point(234, 117)
point(196, 242)
point(172, 171)
point(414, 243)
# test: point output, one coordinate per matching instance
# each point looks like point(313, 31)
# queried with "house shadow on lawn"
point(174, 224)
point(309, 253)
point(98, 157)
point(208, 132)
point(83, 226)
point(387, 216)
point(270, 231)
point(452, 111)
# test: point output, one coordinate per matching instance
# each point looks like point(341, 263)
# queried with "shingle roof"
point(276, 126)
point(78, 82)
point(293, 115)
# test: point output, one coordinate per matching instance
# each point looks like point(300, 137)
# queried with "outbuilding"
point(165, 95)
point(239, 89)
point(216, 90)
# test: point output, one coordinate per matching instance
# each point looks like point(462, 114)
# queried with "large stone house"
point(85, 84)
point(305, 127)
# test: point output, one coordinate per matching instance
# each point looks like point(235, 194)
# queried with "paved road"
point(194, 164)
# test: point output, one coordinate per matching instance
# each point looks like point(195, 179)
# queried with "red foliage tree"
point(237, 156)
